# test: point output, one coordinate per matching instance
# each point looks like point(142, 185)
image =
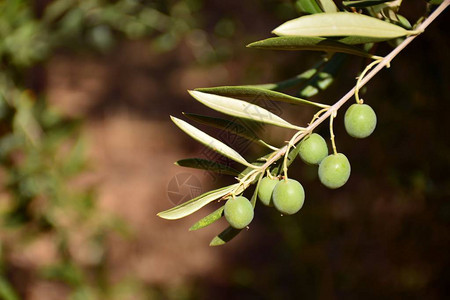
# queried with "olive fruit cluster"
point(334, 169)
point(287, 195)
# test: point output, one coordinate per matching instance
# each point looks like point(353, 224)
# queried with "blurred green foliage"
point(41, 151)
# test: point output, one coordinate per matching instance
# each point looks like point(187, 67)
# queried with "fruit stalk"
point(385, 62)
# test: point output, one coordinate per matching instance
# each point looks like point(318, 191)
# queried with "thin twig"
point(383, 63)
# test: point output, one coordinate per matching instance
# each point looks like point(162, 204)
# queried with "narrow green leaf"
point(308, 43)
point(208, 165)
point(252, 93)
point(209, 141)
point(328, 6)
point(324, 78)
point(241, 109)
point(208, 220)
point(402, 21)
point(247, 130)
point(296, 80)
point(340, 24)
point(355, 40)
point(364, 3)
point(308, 6)
point(195, 204)
point(225, 236)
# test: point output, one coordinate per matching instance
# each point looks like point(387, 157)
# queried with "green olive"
point(288, 196)
point(334, 170)
point(313, 149)
point(265, 190)
point(360, 120)
point(238, 212)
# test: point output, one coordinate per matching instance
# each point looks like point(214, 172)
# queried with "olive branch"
point(317, 31)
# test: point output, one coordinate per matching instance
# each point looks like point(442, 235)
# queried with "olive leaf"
point(252, 92)
point(241, 109)
point(328, 6)
point(208, 165)
point(324, 78)
point(209, 141)
point(340, 24)
point(308, 43)
point(364, 3)
point(247, 131)
point(296, 80)
point(208, 220)
point(229, 233)
point(225, 236)
point(195, 204)
point(308, 6)
point(355, 40)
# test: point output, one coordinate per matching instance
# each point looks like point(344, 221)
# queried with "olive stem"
point(290, 144)
point(360, 78)
point(332, 110)
point(383, 63)
point(333, 143)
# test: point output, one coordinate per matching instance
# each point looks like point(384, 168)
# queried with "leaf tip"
point(276, 31)
point(195, 93)
point(215, 243)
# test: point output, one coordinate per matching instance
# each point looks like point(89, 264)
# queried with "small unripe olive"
point(265, 190)
point(288, 196)
point(313, 149)
point(334, 170)
point(360, 120)
point(238, 212)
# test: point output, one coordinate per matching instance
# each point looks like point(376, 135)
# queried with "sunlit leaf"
point(340, 24)
point(195, 204)
point(241, 109)
point(208, 220)
point(246, 130)
point(252, 93)
point(209, 141)
point(208, 165)
point(328, 6)
point(308, 43)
